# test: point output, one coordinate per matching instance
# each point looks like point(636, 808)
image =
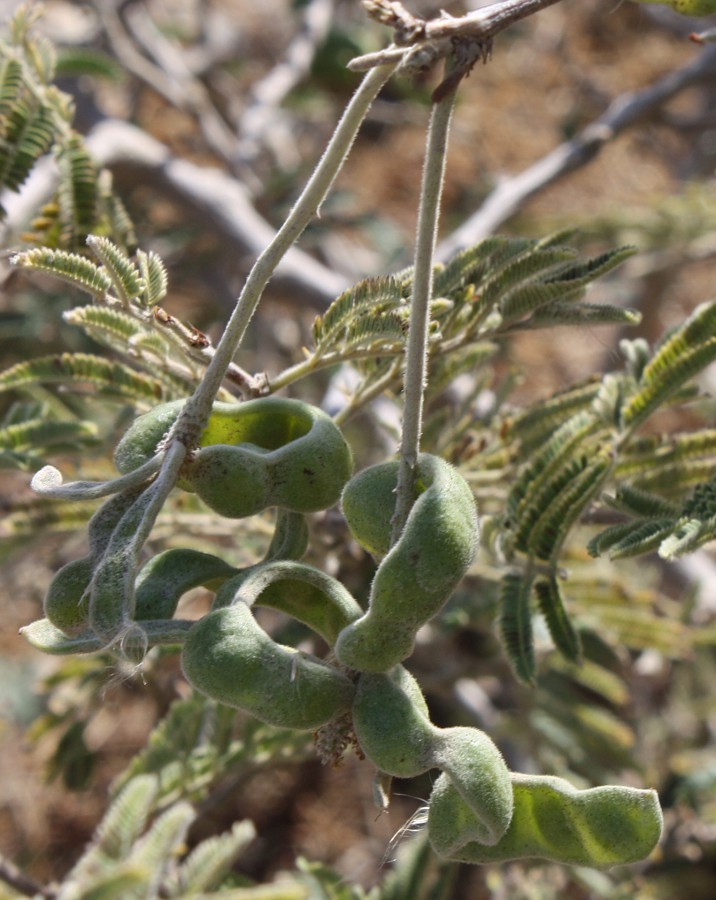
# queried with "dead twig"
point(420, 43)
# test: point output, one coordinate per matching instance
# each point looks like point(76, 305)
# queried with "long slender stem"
point(197, 410)
point(417, 348)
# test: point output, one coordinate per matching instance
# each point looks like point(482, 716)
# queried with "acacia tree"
point(216, 439)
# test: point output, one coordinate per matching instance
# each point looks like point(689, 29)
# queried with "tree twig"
point(419, 43)
point(197, 409)
point(18, 881)
point(417, 343)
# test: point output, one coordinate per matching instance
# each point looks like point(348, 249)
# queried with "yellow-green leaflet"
point(688, 7)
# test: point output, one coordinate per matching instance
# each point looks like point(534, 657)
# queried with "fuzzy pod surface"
point(597, 827)
point(296, 589)
point(66, 602)
point(392, 723)
point(166, 577)
point(229, 658)
point(420, 572)
point(393, 728)
point(266, 452)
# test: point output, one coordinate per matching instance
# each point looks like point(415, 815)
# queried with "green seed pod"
point(294, 588)
point(290, 536)
point(266, 452)
point(480, 776)
point(228, 657)
point(106, 518)
point(368, 504)
point(420, 571)
point(233, 481)
point(66, 602)
point(168, 576)
point(140, 442)
point(598, 827)
point(392, 726)
point(112, 600)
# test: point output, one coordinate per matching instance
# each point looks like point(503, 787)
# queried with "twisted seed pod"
point(368, 504)
point(66, 603)
point(391, 724)
point(290, 536)
point(294, 588)
point(420, 571)
point(253, 455)
point(163, 580)
point(228, 657)
point(599, 827)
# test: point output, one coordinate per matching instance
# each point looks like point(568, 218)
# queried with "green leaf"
point(154, 277)
point(24, 441)
point(689, 535)
point(642, 538)
point(76, 192)
point(639, 502)
point(368, 300)
point(72, 268)
point(156, 850)
point(550, 529)
point(515, 622)
point(210, 861)
point(583, 314)
point(681, 356)
point(551, 605)
point(111, 378)
point(120, 827)
point(124, 274)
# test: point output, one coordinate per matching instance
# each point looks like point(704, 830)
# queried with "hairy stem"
point(417, 346)
point(197, 410)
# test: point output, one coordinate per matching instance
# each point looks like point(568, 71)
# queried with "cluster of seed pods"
point(289, 455)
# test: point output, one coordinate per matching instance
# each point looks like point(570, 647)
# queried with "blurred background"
point(594, 114)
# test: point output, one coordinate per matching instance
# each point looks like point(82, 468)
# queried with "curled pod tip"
point(478, 772)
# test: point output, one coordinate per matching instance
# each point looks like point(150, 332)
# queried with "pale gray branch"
point(218, 199)
point(267, 94)
point(628, 109)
